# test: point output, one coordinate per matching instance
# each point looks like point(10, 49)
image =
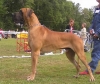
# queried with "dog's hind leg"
point(82, 57)
point(71, 56)
point(34, 56)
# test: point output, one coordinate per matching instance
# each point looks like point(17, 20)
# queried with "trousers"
point(95, 55)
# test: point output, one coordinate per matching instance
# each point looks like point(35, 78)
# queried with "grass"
point(50, 69)
point(8, 47)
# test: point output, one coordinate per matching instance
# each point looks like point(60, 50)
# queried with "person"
point(95, 32)
point(0, 37)
point(1, 29)
point(69, 27)
point(83, 33)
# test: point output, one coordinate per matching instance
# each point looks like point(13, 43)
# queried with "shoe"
point(84, 73)
point(97, 72)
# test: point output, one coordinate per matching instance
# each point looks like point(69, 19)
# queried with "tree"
point(2, 12)
point(54, 14)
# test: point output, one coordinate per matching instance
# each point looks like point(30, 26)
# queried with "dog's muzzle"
point(17, 18)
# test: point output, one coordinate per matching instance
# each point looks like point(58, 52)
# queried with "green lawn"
point(8, 47)
point(50, 69)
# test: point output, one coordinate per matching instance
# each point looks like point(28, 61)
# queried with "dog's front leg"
point(34, 56)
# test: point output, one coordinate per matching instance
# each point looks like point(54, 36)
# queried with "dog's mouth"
point(17, 23)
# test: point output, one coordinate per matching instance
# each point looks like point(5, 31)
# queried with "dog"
point(42, 39)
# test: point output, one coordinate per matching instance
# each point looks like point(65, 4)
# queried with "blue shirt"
point(96, 22)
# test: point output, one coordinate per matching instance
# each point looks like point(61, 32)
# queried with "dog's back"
point(52, 40)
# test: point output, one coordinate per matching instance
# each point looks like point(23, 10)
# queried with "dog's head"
point(19, 18)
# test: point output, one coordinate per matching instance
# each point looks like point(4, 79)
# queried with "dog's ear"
point(30, 11)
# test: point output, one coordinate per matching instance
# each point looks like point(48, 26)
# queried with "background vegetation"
point(54, 14)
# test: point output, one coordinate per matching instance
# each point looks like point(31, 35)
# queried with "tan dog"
point(42, 39)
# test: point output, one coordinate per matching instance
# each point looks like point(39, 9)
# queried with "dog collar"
point(34, 25)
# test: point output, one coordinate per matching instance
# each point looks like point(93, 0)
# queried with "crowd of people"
point(10, 33)
point(82, 33)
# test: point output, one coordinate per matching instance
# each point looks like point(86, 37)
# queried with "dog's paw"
point(92, 79)
point(31, 77)
point(76, 76)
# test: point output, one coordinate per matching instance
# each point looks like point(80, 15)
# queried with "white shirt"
point(83, 32)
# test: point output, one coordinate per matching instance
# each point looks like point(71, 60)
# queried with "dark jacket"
point(68, 28)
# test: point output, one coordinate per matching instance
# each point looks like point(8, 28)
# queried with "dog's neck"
point(32, 26)
point(32, 21)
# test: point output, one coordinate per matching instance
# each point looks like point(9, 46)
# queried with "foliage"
point(2, 13)
point(54, 14)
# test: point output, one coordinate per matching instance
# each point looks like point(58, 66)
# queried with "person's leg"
point(95, 57)
point(84, 41)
